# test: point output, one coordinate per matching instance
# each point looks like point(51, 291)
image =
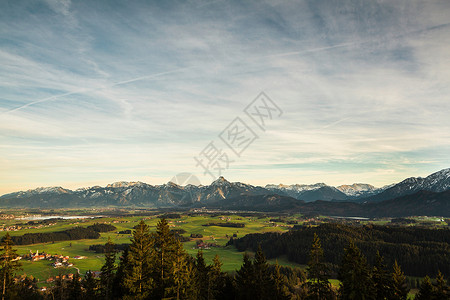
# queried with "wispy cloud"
point(99, 91)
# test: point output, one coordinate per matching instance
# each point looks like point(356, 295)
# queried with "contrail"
point(313, 50)
point(354, 115)
point(40, 101)
point(336, 122)
point(81, 91)
point(182, 69)
point(357, 42)
point(149, 76)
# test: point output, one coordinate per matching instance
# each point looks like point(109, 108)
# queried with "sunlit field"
point(231, 258)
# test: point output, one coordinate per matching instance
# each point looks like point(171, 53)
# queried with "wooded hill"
point(419, 251)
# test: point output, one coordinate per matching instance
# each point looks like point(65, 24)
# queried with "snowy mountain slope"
point(357, 189)
point(436, 182)
point(141, 194)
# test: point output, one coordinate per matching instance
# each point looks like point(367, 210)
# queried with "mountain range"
point(321, 191)
point(356, 199)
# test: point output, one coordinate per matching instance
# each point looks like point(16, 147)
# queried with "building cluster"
point(61, 262)
point(58, 260)
point(10, 228)
point(19, 227)
point(7, 216)
point(204, 245)
point(118, 221)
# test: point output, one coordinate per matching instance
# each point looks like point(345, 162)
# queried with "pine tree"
point(137, 279)
point(89, 284)
point(245, 280)
point(74, 288)
point(163, 259)
point(8, 265)
point(119, 288)
point(191, 286)
point(202, 276)
point(355, 277)
point(441, 290)
point(27, 288)
point(426, 290)
point(382, 279)
point(264, 285)
point(229, 291)
point(60, 290)
point(216, 280)
point(399, 285)
point(181, 273)
point(108, 271)
point(318, 284)
point(417, 285)
point(280, 282)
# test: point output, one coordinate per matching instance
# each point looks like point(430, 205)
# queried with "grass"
point(230, 257)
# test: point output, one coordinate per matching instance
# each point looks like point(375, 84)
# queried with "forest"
point(420, 251)
point(156, 266)
point(101, 227)
point(226, 224)
point(75, 233)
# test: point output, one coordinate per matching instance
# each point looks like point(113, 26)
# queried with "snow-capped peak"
point(296, 187)
point(123, 184)
point(441, 175)
point(220, 181)
point(171, 184)
point(436, 182)
point(52, 189)
point(356, 189)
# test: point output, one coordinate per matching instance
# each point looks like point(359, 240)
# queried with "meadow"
point(192, 224)
point(231, 258)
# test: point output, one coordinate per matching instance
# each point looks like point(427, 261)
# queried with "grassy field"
point(231, 258)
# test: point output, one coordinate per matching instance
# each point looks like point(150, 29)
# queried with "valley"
point(200, 229)
point(59, 233)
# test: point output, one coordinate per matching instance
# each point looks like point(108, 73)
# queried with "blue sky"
point(93, 92)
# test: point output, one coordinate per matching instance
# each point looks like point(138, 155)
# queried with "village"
point(31, 225)
point(57, 260)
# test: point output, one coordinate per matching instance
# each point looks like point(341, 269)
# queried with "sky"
point(94, 92)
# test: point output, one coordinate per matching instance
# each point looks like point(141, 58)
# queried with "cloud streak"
point(83, 91)
point(111, 91)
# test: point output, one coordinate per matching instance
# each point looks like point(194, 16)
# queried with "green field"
point(231, 258)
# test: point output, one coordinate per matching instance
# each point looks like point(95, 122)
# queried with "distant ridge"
point(430, 192)
point(436, 182)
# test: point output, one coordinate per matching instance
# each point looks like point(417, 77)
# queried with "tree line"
point(226, 224)
point(420, 251)
point(101, 227)
point(156, 266)
point(76, 233)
